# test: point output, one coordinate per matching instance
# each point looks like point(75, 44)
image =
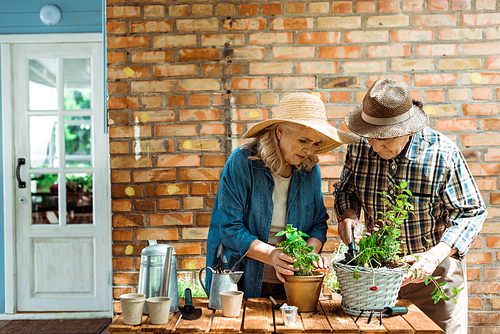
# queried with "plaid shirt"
point(447, 203)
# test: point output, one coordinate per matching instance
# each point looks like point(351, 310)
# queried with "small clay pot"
point(304, 291)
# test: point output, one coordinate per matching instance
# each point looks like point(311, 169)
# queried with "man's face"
point(388, 148)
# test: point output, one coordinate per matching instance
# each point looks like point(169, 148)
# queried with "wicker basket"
point(356, 294)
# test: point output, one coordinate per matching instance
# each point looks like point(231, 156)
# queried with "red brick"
point(292, 83)
point(437, 50)
point(175, 130)
point(331, 37)
point(478, 257)
point(447, 79)
point(127, 220)
point(213, 129)
point(481, 48)
point(437, 5)
point(150, 26)
point(122, 12)
point(211, 24)
point(295, 8)
point(480, 19)
point(171, 219)
point(168, 204)
point(191, 248)
point(342, 7)
point(366, 36)
point(191, 263)
point(364, 6)
point(200, 174)
point(473, 274)
point(399, 50)
point(340, 97)
point(203, 219)
point(457, 34)
point(116, 28)
point(167, 189)
point(388, 6)
point(270, 38)
point(121, 205)
point(413, 5)
point(332, 52)
point(249, 83)
point(437, 20)
point(493, 242)
point(122, 263)
point(319, 7)
point(127, 42)
point(483, 109)
point(475, 303)
point(317, 67)
point(178, 11)
point(120, 176)
point(157, 234)
point(145, 205)
point(460, 4)
point(456, 124)
point(292, 23)
point(199, 100)
point(271, 9)
point(209, 160)
point(246, 99)
point(198, 54)
point(412, 35)
point(201, 188)
point(176, 101)
point(293, 52)
point(244, 24)
point(434, 96)
point(491, 274)
point(122, 235)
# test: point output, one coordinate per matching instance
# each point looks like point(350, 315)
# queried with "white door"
point(62, 222)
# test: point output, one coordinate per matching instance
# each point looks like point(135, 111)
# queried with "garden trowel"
point(188, 311)
point(351, 252)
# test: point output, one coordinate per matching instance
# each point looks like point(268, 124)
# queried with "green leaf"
point(280, 233)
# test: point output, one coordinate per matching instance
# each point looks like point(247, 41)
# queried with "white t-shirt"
point(280, 196)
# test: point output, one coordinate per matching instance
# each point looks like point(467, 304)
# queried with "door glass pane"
point(79, 198)
point(44, 195)
point(43, 138)
point(42, 84)
point(77, 80)
point(77, 141)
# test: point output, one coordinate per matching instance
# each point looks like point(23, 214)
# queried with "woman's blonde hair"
point(267, 146)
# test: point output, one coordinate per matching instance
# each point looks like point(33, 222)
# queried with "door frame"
point(6, 42)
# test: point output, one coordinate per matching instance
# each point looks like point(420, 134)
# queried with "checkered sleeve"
point(465, 206)
point(345, 192)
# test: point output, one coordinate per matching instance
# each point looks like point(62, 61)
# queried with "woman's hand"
point(349, 220)
point(282, 263)
point(322, 263)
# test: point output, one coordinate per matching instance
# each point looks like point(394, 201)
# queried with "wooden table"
point(259, 316)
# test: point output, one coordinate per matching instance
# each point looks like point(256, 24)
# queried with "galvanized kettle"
point(220, 282)
point(158, 274)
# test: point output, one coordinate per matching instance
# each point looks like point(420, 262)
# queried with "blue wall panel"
point(23, 17)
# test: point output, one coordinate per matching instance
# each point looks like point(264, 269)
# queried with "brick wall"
point(187, 78)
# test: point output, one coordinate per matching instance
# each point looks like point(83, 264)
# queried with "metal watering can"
point(220, 282)
point(158, 274)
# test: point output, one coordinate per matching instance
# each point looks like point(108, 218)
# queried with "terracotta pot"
point(304, 291)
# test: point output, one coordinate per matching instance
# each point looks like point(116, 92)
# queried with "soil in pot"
point(304, 291)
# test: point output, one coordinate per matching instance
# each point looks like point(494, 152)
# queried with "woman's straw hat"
point(308, 110)
point(388, 111)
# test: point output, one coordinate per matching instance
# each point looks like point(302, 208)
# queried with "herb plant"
point(295, 246)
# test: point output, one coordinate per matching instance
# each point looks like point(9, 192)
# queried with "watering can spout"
point(235, 276)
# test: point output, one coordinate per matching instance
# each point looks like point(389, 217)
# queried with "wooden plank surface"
point(224, 324)
point(339, 321)
point(397, 324)
point(149, 327)
point(119, 326)
point(258, 316)
point(199, 325)
point(315, 322)
point(420, 322)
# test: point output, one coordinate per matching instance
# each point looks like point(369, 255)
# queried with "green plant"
point(185, 281)
point(380, 246)
point(295, 246)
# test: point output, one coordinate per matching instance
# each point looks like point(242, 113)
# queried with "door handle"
point(20, 162)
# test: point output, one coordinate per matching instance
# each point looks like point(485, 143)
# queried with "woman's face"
point(388, 148)
point(297, 144)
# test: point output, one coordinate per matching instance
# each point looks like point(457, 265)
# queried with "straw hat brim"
point(356, 124)
point(337, 137)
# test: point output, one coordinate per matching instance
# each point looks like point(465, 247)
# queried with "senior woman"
point(272, 181)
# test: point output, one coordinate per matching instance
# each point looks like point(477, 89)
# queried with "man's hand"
point(349, 220)
point(424, 264)
point(282, 263)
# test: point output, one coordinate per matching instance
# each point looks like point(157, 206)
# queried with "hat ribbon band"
point(387, 120)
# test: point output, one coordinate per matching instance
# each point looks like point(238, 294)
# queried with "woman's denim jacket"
point(243, 211)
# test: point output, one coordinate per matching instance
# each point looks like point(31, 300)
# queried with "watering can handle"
point(166, 273)
point(201, 281)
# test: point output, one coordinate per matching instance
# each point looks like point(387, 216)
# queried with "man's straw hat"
point(308, 110)
point(388, 111)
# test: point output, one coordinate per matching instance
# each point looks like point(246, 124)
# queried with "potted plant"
point(371, 280)
point(304, 287)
